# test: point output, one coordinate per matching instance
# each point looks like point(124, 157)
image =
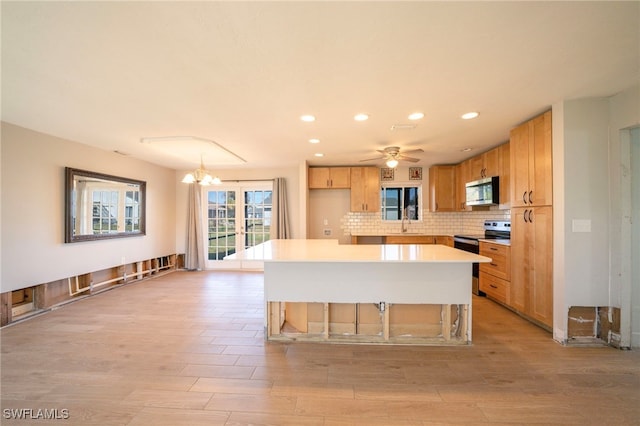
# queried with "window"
point(398, 200)
point(105, 211)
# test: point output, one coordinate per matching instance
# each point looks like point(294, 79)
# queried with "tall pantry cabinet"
point(531, 220)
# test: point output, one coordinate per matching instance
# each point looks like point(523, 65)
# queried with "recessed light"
point(314, 140)
point(319, 154)
point(416, 116)
point(469, 115)
point(465, 149)
point(361, 117)
point(308, 118)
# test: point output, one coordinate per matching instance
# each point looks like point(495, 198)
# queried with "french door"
point(238, 217)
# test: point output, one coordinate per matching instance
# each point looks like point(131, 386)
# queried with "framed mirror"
point(100, 206)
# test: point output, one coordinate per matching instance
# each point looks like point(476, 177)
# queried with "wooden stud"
point(446, 322)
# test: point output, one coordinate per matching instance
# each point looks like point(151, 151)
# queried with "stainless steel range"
point(493, 230)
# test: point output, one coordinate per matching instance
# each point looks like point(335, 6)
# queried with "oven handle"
point(466, 241)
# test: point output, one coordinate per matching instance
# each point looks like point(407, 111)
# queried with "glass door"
point(238, 217)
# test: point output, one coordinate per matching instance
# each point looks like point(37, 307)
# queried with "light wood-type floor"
point(187, 348)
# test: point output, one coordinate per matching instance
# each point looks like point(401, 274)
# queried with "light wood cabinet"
point(494, 278)
point(532, 263)
point(329, 177)
point(462, 177)
point(505, 175)
point(409, 239)
point(500, 254)
point(484, 165)
point(531, 163)
point(445, 240)
point(365, 189)
point(442, 191)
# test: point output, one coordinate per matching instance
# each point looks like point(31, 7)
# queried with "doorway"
point(238, 217)
point(635, 236)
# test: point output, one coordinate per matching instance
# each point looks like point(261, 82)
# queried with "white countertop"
point(329, 250)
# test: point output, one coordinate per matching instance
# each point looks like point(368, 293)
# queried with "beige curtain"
point(194, 254)
point(280, 228)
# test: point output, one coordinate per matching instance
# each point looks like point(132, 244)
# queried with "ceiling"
point(240, 74)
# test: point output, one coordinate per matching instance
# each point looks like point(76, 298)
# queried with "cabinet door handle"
point(493, 286)
point(524, 216)
point(530, 199)
point(530, 216)
point(524, 197)
point(328, 184)
point(493, 248)
point(493, 264)
point(362, 206)
point(331, 182)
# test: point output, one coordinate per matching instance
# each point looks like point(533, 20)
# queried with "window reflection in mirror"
point(100, 206)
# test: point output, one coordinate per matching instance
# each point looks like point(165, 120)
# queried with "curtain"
point(280, 228)
point(194, 255)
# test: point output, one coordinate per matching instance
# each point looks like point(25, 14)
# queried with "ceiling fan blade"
point(405, 158)
point(373, 159)
point(412, 151)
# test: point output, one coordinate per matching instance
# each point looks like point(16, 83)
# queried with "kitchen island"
point(319, 290)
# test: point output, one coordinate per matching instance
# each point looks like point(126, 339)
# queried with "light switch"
point(581, 225)
point(326, 222)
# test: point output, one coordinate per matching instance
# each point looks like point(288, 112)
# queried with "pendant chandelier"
point(201, 176)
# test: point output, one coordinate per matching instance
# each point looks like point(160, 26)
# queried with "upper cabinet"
point(461, 179)
point(488, 164)
point(365, 189)
point(531, 163)
point(484, 165)
point(442, 191)
point(329, 177)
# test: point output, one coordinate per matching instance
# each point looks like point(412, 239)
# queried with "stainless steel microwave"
point(483, 192)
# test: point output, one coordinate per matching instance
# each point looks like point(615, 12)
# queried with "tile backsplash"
point(431, 224)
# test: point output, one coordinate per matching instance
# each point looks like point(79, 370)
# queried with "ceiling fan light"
point(392, 162)
point(216, 181)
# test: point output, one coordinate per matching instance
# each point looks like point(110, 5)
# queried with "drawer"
point(490, 249)
point(500, 265)
point(495, 288)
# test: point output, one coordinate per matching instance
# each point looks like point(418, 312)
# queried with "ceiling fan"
point(392, 155)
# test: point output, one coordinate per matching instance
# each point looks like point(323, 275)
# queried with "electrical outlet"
point(327, 232)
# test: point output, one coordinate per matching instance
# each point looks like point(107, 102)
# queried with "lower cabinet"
point(495, 276)
point(532, 263)
point(446, 240)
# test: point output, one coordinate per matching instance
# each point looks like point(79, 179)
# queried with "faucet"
point(405, 217)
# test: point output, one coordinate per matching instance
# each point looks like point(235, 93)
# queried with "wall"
point(635, 237)
point(625, 114)
point(591, 166)
point(327, 208)
point(586, 201)
point(33, 248)
point(294, 199)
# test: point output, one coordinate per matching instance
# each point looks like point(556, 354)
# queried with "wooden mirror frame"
point(71, 175)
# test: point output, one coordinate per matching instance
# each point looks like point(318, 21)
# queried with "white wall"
point(625, 114)
point(33, 248)
point(291, 175)
point(586, 198)
point(590, 164)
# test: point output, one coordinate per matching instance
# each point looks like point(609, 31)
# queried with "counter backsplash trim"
point(431, 224)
